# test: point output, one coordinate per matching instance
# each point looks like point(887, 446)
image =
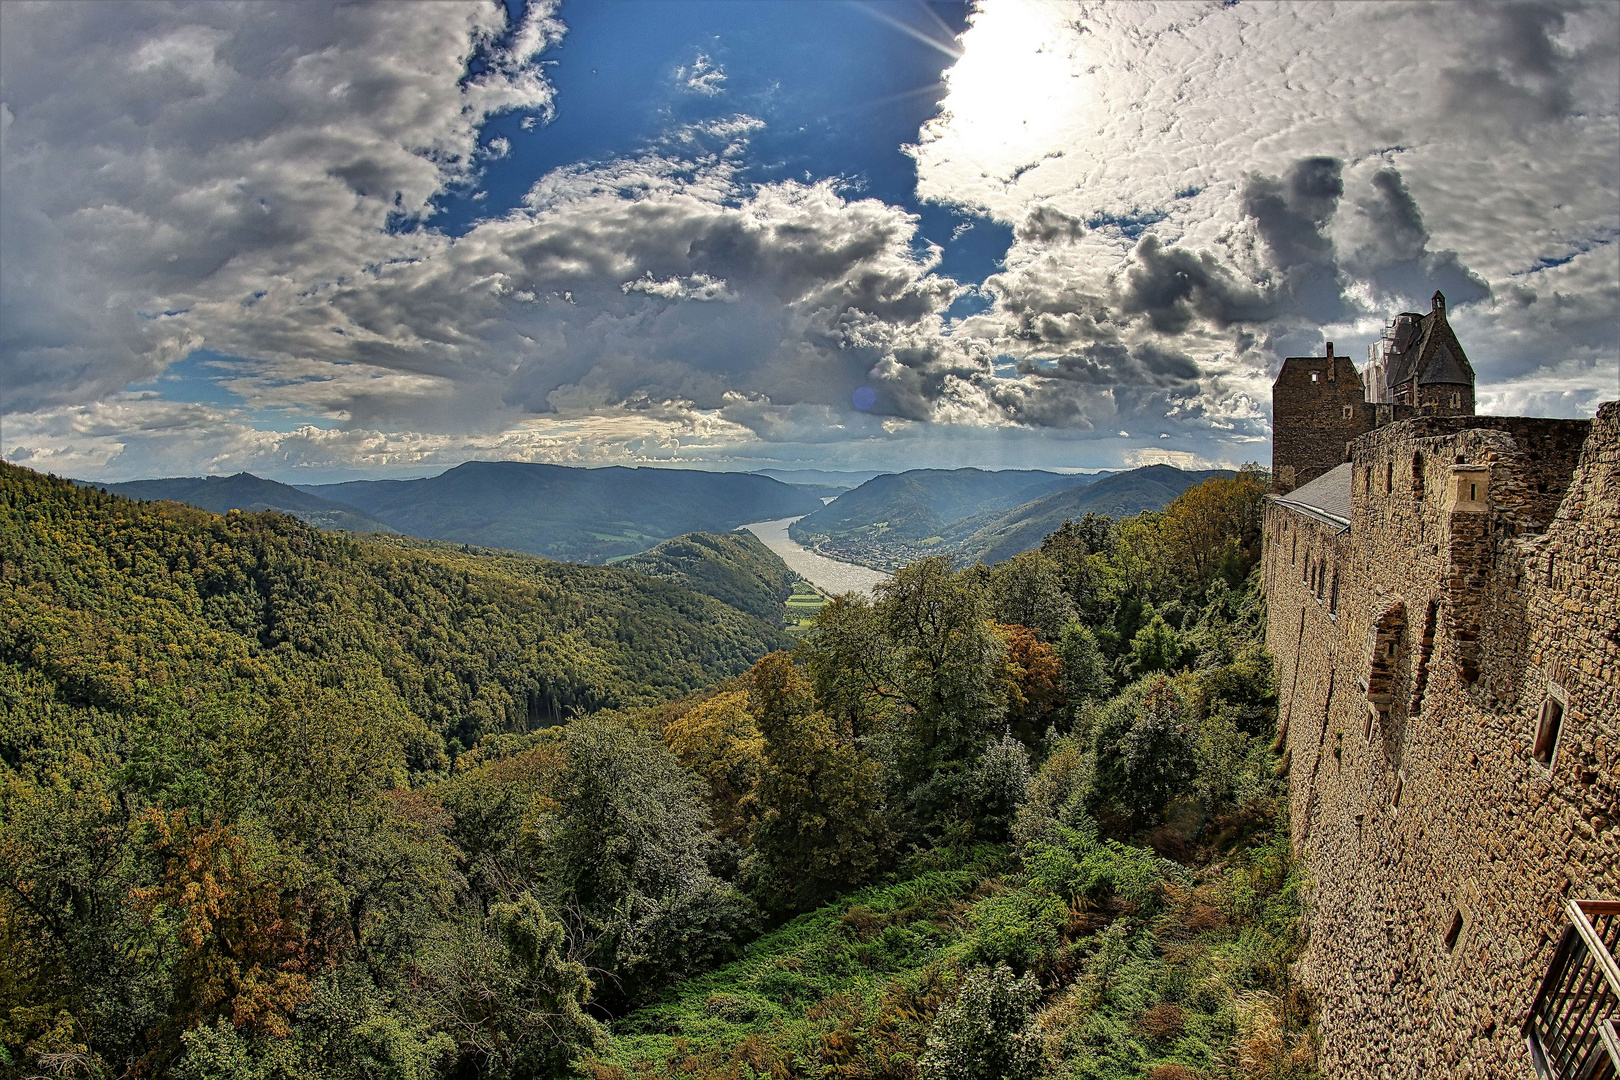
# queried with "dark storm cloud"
point(1174, 285)
point(1517, 72)
point(1115, 364)
point(1291, 214)
point(1395, 257)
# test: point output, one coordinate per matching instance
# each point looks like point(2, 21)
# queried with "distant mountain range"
point(608, 515)
point(578, 515)
point(844, 481)
point(975, 514)
point(571, 514)
point(244, 491)
point(910, 511)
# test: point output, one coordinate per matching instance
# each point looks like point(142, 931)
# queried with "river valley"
point(829, 575)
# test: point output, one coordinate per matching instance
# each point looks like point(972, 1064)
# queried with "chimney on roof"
point(1438, 301)
point(1330, 365)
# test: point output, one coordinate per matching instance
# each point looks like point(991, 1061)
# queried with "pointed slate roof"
point(1435, 355)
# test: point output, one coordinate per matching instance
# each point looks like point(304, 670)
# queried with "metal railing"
point(1574, 1026)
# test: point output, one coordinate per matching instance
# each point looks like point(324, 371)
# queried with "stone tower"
point(1318, 406)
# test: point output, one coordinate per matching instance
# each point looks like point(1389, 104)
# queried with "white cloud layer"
point(1196, 190)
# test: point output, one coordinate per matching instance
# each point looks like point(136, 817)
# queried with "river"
point(829, 575)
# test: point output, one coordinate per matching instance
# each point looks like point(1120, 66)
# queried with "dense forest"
point(244, 491)
point(279, 803)
point(736, 568)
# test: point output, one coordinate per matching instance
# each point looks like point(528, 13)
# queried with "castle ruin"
point(1443, 596)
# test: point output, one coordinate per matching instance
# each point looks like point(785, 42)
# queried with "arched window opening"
point(1549, 725)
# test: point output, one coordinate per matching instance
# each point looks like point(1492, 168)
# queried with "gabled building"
point(1423, 365)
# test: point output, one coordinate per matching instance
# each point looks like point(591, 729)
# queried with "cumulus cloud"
point(1194, 192)
point(1253, 186)
point(1046, 224)
point(1526, 64)
point(161, 158)
point(1393, 256)
point(1174, 285)
point(703, 76)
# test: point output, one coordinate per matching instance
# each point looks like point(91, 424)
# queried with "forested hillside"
point(735, 568)
point(907, 509)
point(278, 804)
point(978, 516)
point(580, 515)
point(993, 537)
point(244, 491)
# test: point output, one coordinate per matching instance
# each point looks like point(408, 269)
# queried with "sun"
point(1012, 89)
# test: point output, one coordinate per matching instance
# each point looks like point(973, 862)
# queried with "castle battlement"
point(1444, 612)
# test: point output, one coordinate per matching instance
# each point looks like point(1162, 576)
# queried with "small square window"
point(1313, 376)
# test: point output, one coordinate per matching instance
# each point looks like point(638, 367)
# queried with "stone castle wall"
point(1415, 649)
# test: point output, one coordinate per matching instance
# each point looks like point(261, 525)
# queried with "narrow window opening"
point(1400, 785)
point(1366, 480)
point(1389, 479)
point(1552, 719)
point(1333, 596)
point(1420, 677)
point(1473, 492)
point(1454, 931)
point(1313, 376)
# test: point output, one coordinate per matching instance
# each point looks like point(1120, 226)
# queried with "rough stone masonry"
point(1435, 594)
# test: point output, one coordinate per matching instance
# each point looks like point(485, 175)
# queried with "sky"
point(321, 242)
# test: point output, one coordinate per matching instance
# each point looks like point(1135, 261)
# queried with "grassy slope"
point(1144, 965)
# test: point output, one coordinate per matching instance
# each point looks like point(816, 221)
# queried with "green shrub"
point(985, 1033)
